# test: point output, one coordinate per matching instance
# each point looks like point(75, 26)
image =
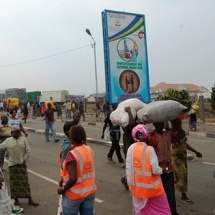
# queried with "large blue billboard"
point(125, 55)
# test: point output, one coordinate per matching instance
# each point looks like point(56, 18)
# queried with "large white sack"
point(120, 116)
point(133, 103)
point(160, 111)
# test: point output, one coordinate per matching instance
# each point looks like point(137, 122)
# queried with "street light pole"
point(94, 46)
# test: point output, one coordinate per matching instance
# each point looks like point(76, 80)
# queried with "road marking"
point(53, 181)
point(205, 141)
point(209, 163)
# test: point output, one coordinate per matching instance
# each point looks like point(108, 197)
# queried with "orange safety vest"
point(85, 184)
point(145, 184)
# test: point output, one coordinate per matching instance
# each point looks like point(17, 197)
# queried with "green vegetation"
point(213, 98)
point(181, 96)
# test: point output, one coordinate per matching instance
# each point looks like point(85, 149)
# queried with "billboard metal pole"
point(94, 47)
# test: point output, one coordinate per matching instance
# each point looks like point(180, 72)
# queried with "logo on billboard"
point(141, 34)
point(117, 23)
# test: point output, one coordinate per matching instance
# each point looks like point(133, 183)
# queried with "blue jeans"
point(84, 206)
point(53, 129)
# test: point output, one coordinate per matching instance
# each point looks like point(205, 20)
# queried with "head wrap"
point(139, 132)
point(15, 128)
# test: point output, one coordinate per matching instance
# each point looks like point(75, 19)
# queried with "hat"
point(139, 132)
point(15, 128)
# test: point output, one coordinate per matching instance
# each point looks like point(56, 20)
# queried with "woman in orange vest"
point(143, 176)
point(78, 190)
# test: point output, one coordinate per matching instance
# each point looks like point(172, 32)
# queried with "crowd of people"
point(155, 161)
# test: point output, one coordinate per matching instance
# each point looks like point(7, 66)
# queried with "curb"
point(100, 124)
point(90, 140)
point(202, 134)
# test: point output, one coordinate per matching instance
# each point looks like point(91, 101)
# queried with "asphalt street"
point(111, 197)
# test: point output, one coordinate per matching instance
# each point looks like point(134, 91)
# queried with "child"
point(66, 143)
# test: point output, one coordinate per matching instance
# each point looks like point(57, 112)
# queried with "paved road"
point(112, 198)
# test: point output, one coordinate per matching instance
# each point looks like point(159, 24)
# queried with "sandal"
point(186, 201)
point(33, 203)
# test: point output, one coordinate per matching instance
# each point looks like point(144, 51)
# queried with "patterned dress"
point(179, 160)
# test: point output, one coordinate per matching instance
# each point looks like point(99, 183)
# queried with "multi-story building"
point(9, 92)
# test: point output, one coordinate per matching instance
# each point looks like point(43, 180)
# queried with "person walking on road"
point(115, 138)
point(66, 144)
point(14, 120)
point(78, 185)
point(106, 108)
point(24, 112)
point(179, 159)
point(81, 110)
point(59, 111)
point(5, 132)
point(1, 106)
point(50, 123)
point(19, 152)
point(128, 140)
point(143, 176)
point(69, 109)
point(161, 141)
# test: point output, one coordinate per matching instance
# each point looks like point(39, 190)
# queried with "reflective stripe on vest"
point(82, 190)
point(156, 183)
point(145, 173)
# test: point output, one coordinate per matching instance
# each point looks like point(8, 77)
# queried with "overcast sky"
point(180, 40)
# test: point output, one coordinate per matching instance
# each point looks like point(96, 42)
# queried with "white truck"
point(57, 96)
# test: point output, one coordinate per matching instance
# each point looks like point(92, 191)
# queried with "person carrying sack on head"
point(143, 176)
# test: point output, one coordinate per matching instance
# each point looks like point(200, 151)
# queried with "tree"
point(213, 98)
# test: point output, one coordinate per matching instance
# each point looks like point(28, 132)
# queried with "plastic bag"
point(120, 116)
point(160, 111)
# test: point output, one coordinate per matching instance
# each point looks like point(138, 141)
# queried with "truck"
point(59, 96)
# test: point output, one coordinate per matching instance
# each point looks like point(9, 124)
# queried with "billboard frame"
point(143, 95)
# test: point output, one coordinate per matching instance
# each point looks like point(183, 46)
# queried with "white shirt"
point(19, 150)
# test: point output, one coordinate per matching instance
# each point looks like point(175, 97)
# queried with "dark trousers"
point(124, 145)
point(168, 184)
point(115, 147)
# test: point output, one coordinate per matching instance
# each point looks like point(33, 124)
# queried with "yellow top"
point(53, 106)
point(195, 108)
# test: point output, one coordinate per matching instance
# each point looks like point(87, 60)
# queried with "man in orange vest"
point(78, 190)
point(143, 176)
